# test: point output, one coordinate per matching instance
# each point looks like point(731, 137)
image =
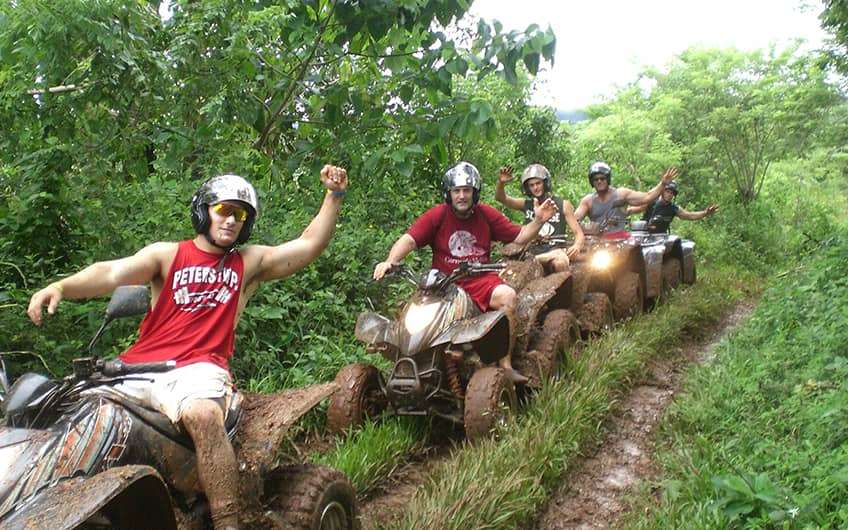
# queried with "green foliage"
point(834, 18)
point(764, 424)
point(743, 497)
point(113, 116)
point(731, 114)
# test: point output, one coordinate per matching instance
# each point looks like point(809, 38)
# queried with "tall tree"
point(735, 113)
point(834, 18)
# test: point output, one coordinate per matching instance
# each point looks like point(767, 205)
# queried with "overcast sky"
point(604, 43)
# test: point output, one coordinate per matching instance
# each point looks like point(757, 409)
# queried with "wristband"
point(338, 194)
point(58, 287)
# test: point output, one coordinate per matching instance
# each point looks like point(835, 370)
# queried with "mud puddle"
point(594, 495)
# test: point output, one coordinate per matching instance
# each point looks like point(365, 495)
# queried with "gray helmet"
point(536, 171)
point(462, 174)
point(673, 187)
point(219, 189)
point(601, 168)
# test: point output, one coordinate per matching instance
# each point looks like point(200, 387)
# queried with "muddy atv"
point(593, 311)
point(78, 455)
point(444, 355)
point(635, 269)
point(679, 256)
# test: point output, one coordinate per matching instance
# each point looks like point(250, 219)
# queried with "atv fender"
point(130, 496)
point(652, 257)
point(486, 334)
point(266, 418)
point(373, 328)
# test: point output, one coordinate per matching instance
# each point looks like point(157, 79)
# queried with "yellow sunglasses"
point(226, 210)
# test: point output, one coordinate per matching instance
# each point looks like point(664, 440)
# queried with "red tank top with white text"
point(194, 317)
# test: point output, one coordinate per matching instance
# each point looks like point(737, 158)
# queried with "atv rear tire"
point(359, 396)
point(310, 497)
point(672, 274)
point(595, 316)
point(490, 399)
point(628, 296)
point(690, 279)
point(555, 340)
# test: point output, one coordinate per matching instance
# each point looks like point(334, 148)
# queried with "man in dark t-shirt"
point(662, 212)
point(462, 230)
point(536, 184)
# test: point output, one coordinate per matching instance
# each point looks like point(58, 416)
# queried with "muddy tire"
point(490, 399)
point(358, 397)
point(628, 296)
point(310, 497)
point(691, 280)
point(595, 316)
point(672, 274)
point(554, 341)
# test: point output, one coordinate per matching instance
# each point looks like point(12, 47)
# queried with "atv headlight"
point(601, 259)
point(419, 317)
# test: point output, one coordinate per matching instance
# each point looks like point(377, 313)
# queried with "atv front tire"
point(359, 396)
point(628, 296)
point(490, 399)
point(310, 497)
point(559, 334)
point(595, 316)
point(672, 274)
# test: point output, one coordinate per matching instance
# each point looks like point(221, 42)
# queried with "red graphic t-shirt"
point(193, 320)
point(456, 240)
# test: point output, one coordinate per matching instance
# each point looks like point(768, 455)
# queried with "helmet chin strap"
point(227, 251)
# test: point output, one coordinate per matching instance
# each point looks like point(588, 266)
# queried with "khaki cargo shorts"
point(170, 392)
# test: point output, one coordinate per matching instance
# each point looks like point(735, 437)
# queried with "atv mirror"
point(126, 301)
point(639, 226)
point(4, 381)
point(372, 328)
point(591, 228)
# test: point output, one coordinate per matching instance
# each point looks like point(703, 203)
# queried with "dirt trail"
point(593, 496)
point(388, 502)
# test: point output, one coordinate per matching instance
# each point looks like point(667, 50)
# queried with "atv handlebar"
point(118, 368)
point(92, 367)
point(464, 269)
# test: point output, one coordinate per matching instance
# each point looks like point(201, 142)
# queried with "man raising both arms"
point(607, 203)
point(199, 289)
point(536, 184)
point(462, 230)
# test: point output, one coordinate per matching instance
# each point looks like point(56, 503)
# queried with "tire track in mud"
point(593, 496)
point(387, 502)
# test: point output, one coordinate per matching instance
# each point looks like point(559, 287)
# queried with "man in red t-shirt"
point(462, 230)
point(199, 289)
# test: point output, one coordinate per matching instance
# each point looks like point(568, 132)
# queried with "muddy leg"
point(503, 297)
point(216, 461)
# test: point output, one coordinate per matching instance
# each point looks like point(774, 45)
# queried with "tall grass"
point(501, 483)
point(373, 452)
point(760, 438)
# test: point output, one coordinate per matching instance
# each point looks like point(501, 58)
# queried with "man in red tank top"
point(199, 289)
point(462, 230)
